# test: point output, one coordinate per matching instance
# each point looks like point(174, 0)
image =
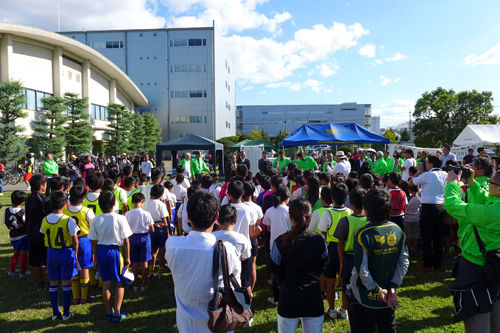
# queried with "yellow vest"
point(130, 204)
point(336, 216)
point(57, 235)
point(321, 211)
point(94, 205)
point(80, 219)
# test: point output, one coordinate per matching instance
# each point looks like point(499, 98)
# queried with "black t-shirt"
point(302, 262)
point(37, 207)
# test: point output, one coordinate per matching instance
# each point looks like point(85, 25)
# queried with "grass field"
point(425, 304)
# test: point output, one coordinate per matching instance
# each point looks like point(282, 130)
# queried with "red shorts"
point(27, 176)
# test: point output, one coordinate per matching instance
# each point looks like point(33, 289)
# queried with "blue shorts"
point(158, 238)
point(61, 264)
point(85, 252)
point(347, 266)
point(333, 265)
point(20, 244)
point(110, 262)
point(140, 248)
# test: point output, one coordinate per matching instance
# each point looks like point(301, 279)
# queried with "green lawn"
point(425, 304)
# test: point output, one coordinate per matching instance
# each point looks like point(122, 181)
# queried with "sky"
point(383, 53)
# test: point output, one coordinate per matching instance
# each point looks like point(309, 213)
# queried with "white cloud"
point(328, 69)
point(394, 112)
point(384, 80)
point(397, 79)
point(429, 63)
point(379, 62)
point(396, 57)
point(490, 57)
point(247, 88)
point(311, 72)
point(295, 87)
point(278, 85)
point(329, 90)
point(315, 85)
point(261, 92)
point(368, 50)
point(83, 14)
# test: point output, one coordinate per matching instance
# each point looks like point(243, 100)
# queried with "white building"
point(273, 118)
point(186, 74)
point(48, 64)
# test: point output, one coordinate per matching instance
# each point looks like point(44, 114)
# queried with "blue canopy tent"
point(332, 134)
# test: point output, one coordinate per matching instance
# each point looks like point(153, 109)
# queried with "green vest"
point(336, 215)
point(321, 211)
point(129, 201)
point(355, 222)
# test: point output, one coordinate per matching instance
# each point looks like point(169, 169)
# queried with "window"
point(114, 44)
point(196, 119)
point(181, 94)
point(98, 112)
point(264, 112)
point(197, 68)
point(93, 113)
point(188, 94)
point(197, 42)
point(196, 94)
point(180, 42)
point(188, 120)
point(31, 99)
point(181, 68)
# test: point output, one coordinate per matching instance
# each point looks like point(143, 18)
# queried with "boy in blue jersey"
point(61, 240)
point(107, 233)
point(14, 219)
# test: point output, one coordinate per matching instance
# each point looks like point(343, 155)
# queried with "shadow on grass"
point(440, 317)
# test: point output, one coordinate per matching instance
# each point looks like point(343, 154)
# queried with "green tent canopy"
point(267, 145)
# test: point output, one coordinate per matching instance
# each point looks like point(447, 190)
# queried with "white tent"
point(478, 135)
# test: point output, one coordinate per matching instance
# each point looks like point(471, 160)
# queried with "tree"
point(442, 114)
point(152, 132)
point(405, 135)
point(264, 135)
point(137, 135)
point(281, 136)
point(119, 120)
point(389, 134)
point(78, 131)
point(12, 99)
point(49, 131)
point(255, 134)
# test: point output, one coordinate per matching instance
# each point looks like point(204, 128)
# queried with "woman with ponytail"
point(298, 258)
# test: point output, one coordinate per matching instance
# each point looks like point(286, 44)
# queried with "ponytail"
point(300, 213)
point(277, 201)
point(281, 195)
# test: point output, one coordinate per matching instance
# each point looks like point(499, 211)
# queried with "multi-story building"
point(273, 118)
point(48, 64)
point(186, 74)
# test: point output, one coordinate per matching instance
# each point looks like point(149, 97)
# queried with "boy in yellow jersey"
point(83, 217)
point(130, 190)
point(61, 240)
point(120, 193)
point(107, 233)
point(327, 225)
point(95, 181)
point(345, 234)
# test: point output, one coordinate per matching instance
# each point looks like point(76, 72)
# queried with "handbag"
point(492, 265)
point(229, 309)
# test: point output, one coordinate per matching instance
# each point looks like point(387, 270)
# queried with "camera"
point(397, 156)
point(465, 170)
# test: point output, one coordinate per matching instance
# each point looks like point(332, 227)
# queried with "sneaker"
point(271, 300)
point(25, 274)
point(58, 317)
point(343, 314)
point(75, 302)
point(10, 274)
point(28, 189)
point(136, 289)
point(119, 317)
point(336, 295)
point(332, 313)
point(143, 289)
point(71, 314)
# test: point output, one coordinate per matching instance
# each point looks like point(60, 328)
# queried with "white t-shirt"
point(246, 217)
point(314, 222)
point(433, 183)
point(180, 192)
point(185, 183)
point(148, 194)
point(257, 208)
point(343, 167)
point(54, 218)
point(185, 221)
point(326, 219)
point(109, 229)
point(146, 168)
point(279, 220)
point(139, 220)
point(171, 198)
point(407, 164)
point(240, 242)
point(157, 209)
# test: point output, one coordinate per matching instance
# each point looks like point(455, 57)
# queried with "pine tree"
point(49, 130)
point(120, 121)
point(78, 130)
point(137, 134)
point(12, 99)
point(152, 132)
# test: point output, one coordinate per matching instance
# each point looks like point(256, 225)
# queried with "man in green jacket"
point(198, 166)
point(330, 162)
point(50, 169)
point(380, 166)
point(282, 161)
point(305, 162)
point(475, 298)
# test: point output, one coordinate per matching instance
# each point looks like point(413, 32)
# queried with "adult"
point(475, 297)
point(409, 162)
point(342, 166)
point(87, 166)
point(100, 162)
point(330, 162)
point(186, 163)
point(230, 166)
point(146, 166)
point(190, 260)
point(469, 157)
point(305, 162)
point(432, 227)
point(298, 258)
point(262, 160)
point(198, 166)
point(447, 155)
point(361, 166)
point(380, 264)
point(380, 166)
point(50, 169)
point(242, 159)
point(481, 151)
point(281, 163)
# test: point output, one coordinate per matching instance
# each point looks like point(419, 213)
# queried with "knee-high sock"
point(151, 268)
point(67, 294)
point(100, 282)
point(24, 262)
point(54, 300)
point(84, 283)
point(93, 281)
point(160, 270)
point(13, 261)
point(75, 287)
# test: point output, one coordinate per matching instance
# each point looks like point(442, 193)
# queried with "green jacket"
point(283, 164)
point(325, 169)
point(471, 198)
point(392, 166)
point(307, 164)
point(369, 160)
point(50, 168)
point(380, 167)
point(198, 165)
point(484, 214)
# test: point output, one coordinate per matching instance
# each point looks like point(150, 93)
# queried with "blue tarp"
point(332, 134)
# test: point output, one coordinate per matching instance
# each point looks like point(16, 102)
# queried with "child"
point(184, 224)
point(141, 223)
point(60, 233)
point(83, 217)
point(129, 186)
point(327, 225)
point(14, 219)
point(29, 169)
point(107, 233)
point(120, 193)
point(398, 198)
point(345, 234)
point(159, 236)
point(179, 190)
point(171, 202)
point(327, 204)
point(412, 219)
point(95, 181)
point(143, 179)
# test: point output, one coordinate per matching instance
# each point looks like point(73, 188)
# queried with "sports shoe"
point(75, 302)
point(109, 316)
point(71, 314)
point(58, 317)
point(27, 189)
point(332, 313)
point(136, 289)
point(342, 314)
point(10, 273)
point(248, 323)
point(143, 289)
point(119, 317)
point(271, 300)
point(25, 274)
point(336, 295)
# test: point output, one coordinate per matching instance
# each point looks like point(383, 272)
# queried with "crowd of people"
point(329, 223)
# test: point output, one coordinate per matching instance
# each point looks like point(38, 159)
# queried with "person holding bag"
point(297, 259)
